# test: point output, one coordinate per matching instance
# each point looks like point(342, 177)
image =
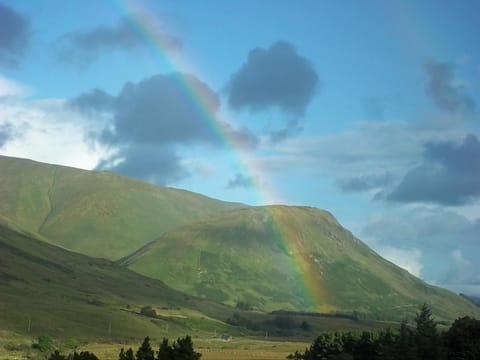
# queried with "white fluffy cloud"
point(408, 259)
point(47, 131)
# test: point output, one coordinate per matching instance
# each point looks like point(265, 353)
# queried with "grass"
point(279, 257)
point(95, 213)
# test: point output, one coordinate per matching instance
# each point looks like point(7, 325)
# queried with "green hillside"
point(95, 213)
point(47, 290)
point(281, 257)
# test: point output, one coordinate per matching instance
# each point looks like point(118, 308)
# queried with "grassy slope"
point(237, 256)
point(66, 294)
point(94, 213)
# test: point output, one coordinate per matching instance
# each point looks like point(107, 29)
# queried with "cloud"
point(365, 149)
point(408, 259)
point(462, 270)
point(444, 92)
point(435, 232)
point(273, 77)
point(448, 175)
point(292, 128)
point(14, 36)
point(47, 131)
point(81, 48)
point(365, 182)
point(158, 116)
point(242, 181)
point(94, 101)
point(6, 130)
point(430, 229)
point(11, 89)
point(155, 164)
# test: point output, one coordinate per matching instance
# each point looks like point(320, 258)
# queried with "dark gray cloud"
point(6, 133)
point(444, 92)
point(96, 100)
point(448, 175)
point(81, 48)
point(14, 36)
point(273, 77)
point(158, 115)
point(159, 109)
point(241, 181)
point(155, 164)
point(365, 182)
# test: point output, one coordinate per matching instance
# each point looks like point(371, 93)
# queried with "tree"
point(165, 351)
point(84, 355)
point(57, 356)
point(426, 336)
point(183, 349)
point(129, 354)
point(45, 343)
point(463, 339)
point(305, 326)
point(148, 311)
point(145, 351)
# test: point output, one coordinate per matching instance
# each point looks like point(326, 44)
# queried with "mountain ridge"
point(96, 213)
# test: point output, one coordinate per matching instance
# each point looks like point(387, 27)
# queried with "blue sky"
point(367, 109)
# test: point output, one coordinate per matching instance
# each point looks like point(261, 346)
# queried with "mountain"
point(282, 257)
point(95, 213)
point(267, 258)
point(48, 290)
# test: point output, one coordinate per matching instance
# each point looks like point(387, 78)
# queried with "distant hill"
point(472, 298)
point(95, 213)
point(279, 257)
point(47, 290)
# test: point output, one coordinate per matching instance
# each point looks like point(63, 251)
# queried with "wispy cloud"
point(443, 90)
point(81, 48)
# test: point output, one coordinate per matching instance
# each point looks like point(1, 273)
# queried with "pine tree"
point(183, 349)
point(426, 336)
point(145, 351)
point(129, 354)
point(165, 352)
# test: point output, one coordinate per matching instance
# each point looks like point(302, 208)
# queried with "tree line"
point(182, 349)
point(424, 341)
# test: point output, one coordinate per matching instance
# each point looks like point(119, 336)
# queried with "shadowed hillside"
point(280, 257)
point(95, 213)
point(45, 289)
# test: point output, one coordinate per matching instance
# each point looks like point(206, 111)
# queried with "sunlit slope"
point(281, 257)
point(95, 213)
point(48, 290)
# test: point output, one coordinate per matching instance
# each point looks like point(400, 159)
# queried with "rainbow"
point(149, 27)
